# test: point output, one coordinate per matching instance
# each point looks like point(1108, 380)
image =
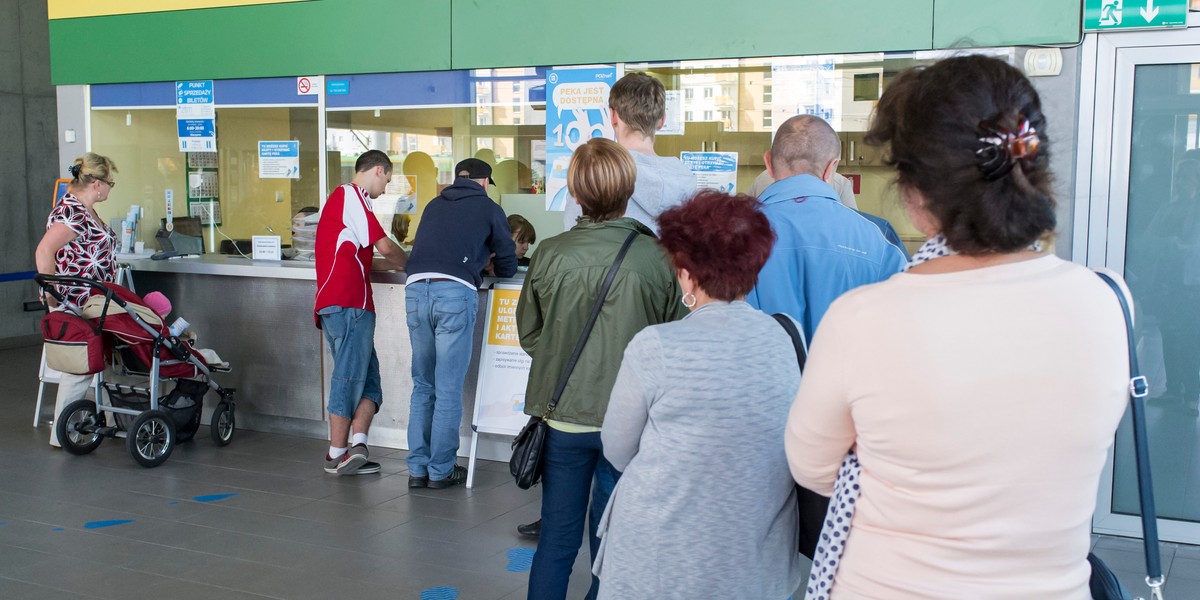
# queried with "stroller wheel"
point(221, 426)
point(151, 438)
point(77, 427)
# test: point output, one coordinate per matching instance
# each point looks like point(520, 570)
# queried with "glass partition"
point(427, 122)
point(143, 143)
point(226, 190)
point(495, 121)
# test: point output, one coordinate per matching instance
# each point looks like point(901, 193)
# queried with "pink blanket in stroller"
point(139, 327)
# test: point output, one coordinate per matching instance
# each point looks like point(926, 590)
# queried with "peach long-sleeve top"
point(982, 404)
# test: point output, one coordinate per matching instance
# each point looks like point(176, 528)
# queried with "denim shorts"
point(351, 336)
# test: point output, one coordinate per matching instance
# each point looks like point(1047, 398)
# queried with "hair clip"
point(1003, 148)
point(75, 170)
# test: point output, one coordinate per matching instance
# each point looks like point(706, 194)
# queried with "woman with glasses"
point(78, 243)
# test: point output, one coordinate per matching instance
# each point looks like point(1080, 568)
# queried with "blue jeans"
point(441, 327)
point(351, 336)
point(574, 469)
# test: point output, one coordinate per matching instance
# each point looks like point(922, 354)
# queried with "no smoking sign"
point(306, 86)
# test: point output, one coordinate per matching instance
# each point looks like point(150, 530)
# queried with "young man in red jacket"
point(348, 235)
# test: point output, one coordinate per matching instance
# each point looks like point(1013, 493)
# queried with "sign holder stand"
point(480, 421)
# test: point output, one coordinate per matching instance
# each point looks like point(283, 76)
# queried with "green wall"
point(650, 30)
point(269, 40)
point(370, 36)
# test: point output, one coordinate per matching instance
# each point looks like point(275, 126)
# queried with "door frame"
point(1101, 202)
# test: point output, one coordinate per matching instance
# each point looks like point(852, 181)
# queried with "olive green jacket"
point(560, 288)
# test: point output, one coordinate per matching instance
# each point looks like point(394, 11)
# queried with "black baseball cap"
point(473, 168)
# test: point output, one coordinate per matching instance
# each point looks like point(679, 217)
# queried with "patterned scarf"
point(934, 247)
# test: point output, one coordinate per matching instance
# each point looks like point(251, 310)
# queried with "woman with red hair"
point(705, 507)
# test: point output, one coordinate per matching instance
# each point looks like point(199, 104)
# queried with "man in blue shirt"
point(822, 248)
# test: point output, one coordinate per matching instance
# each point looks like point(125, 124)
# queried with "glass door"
point(1152, 237)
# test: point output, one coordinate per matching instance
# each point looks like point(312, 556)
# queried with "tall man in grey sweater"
point(638, 105)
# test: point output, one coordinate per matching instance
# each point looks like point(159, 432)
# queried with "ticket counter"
point(259, 317)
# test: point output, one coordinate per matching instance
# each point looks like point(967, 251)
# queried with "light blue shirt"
point(822, 250)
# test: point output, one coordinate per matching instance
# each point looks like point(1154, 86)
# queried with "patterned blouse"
point(91, 254)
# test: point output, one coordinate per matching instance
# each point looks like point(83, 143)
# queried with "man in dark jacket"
point(458, 232)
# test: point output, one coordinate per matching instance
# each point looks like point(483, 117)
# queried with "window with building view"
point(427, 122)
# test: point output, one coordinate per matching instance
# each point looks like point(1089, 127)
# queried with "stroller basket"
point(185, 404)
point(134, 341)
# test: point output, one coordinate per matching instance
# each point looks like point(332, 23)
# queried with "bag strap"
point(797, 338)
point(587, 327)
point(1138, 389)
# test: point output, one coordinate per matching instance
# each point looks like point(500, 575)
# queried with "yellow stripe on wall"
point(74, 9)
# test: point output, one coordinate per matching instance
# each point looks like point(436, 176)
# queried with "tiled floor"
point(287, 530)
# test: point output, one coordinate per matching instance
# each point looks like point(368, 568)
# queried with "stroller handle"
point(48, 283)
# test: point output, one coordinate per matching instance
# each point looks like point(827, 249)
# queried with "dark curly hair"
point(722, 240)
point(932, 120)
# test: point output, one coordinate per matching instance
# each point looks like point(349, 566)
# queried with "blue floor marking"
point(109, 523)
point(58, 529)
point(440, 593)
point(173, 502)
point(519, 560)
point(213, 497)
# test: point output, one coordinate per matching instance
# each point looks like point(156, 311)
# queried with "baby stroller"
point(115, 327)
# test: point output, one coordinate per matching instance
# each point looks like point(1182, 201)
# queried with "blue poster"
point(195, 113)
point(279, 160)
point(714, 170)
point(576, 111)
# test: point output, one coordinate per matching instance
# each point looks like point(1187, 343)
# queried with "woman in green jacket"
point(564, 279)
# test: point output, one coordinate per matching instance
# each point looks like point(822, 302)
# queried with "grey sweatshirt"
point(662, 182)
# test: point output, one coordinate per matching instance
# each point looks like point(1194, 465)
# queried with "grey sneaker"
point(348, 464)
point(357, 458)
point(457, 475)
point(368, 468)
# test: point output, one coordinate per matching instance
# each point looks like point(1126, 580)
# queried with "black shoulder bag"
point(526, 461)
point(1103, 582)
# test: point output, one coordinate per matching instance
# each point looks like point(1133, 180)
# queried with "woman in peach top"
point(982, 387)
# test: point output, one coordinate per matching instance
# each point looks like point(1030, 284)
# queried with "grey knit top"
point(705, 507)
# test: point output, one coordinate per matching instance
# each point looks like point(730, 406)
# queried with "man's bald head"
point(804, 145)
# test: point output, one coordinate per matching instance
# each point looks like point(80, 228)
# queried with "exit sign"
point(1110, 15)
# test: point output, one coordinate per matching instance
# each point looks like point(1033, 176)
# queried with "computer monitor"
point(186, 236)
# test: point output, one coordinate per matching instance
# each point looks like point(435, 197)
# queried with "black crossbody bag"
point(528, 447)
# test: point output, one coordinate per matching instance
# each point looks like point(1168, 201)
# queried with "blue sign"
point(337, 87)
point(196, 128)
point(196, 116)
point(576, 111)
point(193, 92)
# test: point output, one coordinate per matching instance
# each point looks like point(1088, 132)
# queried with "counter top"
point(219, 264)
point(236, 266)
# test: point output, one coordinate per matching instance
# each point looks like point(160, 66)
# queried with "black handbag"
point(811, 507)
point(1103, 582)
point(525, 464)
